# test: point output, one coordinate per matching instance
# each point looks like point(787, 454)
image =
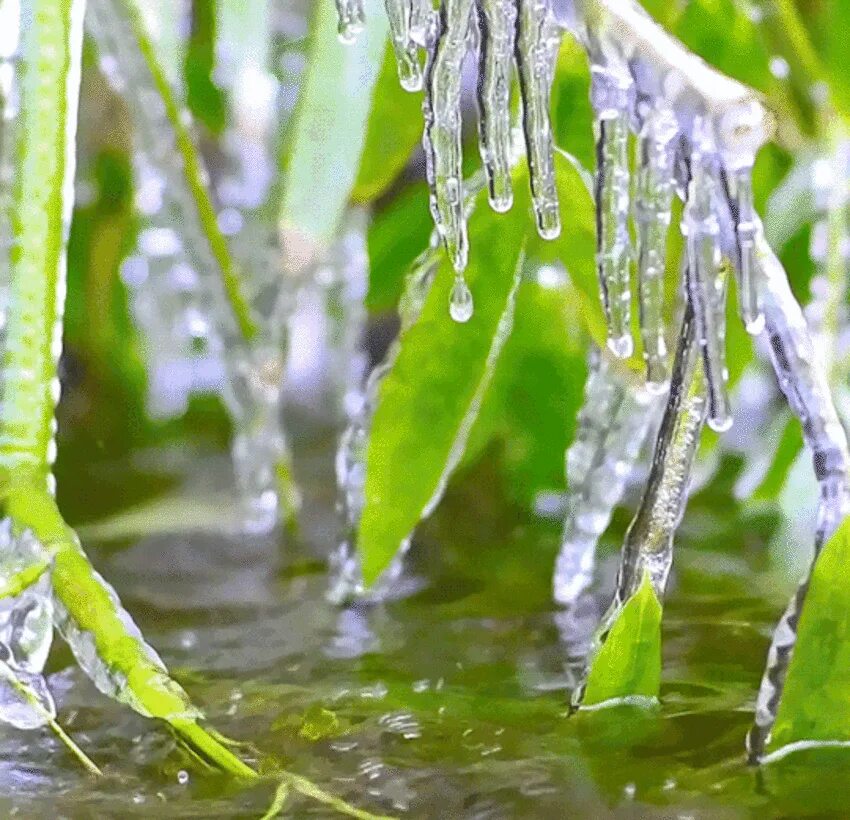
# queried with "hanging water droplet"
point(461, 305)
point(406, 52)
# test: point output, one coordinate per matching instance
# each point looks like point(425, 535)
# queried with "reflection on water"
point(452, 702)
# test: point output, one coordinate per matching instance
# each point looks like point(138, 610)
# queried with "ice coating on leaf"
point(351, 19)
point(133, 661)
point(442, 134)
point(497, 23)
point(802, 378)
point(26, 633)
point(653, 202)
point(400, 13)
point(611, 96)
point(537, 42)
point(706, 283)
point(612, 426)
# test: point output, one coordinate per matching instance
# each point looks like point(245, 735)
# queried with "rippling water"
point(449, 703)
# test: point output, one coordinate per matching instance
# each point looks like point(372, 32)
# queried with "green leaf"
point(430, 399)
point(328, 130)
point(393, 132)
point(534, 398)
point(629, 662)
point(397, 235)
point(815, 701)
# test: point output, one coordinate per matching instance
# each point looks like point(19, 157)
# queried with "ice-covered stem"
point(648, 547)
point(124, 40)
point(803, 380)
point(612, 426)
point(649, 540)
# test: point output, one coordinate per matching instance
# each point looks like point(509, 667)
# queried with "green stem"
point(41, 216)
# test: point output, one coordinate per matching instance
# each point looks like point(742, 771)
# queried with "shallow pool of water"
point(451, 702)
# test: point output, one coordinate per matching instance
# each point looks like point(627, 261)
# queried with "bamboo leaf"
point(393, 131)
point(328, 130)
point(429, 401)
point(628, 664)
point(815, 703)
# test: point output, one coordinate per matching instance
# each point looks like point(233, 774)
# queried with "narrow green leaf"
point(429, 401)
point(629, 662)
point(328, 129)
point(394, 130)
point(815, 701)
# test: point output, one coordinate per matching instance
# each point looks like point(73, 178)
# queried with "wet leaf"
point(429, 401)
point(393, 132)
point(815, 702)
point(629, 662)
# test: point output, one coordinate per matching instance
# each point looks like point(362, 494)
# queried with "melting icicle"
point(442, 135)
point(26, 633)
point(423, 22)
point(537, 43)
point(706, 284)
point(611, 96)
point(497, 21)
point(352, 18)
point(612, 427)
point(461, 305)
point(655, 188)
point(803, 381)
point(745, 227)
point(406, 51)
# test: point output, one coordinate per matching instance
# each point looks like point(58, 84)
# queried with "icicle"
point(400, 13)
point(461, 305)
point(612, 94)
point(497, 20)
point(351, 19)
point(423, 22)
point(442, 135)
point(706, 284)
point(655, 188)
point(612, 427)
point(803, 381)
point(745, 227)
point(537, 43)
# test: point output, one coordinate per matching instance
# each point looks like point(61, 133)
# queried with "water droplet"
point(460, 302)
point(182, 777)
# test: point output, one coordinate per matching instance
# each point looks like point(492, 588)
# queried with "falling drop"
point(461, 305)
point(537, 43)
point(654, 195)
point(706, 283)
point(497, 24)
point(442, 134)
point(351, 19)
point(406, 52)
point(611, 95)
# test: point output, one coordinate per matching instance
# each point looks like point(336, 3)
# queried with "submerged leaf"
point(629, 662)
point(815, 703)
point(430, 399)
